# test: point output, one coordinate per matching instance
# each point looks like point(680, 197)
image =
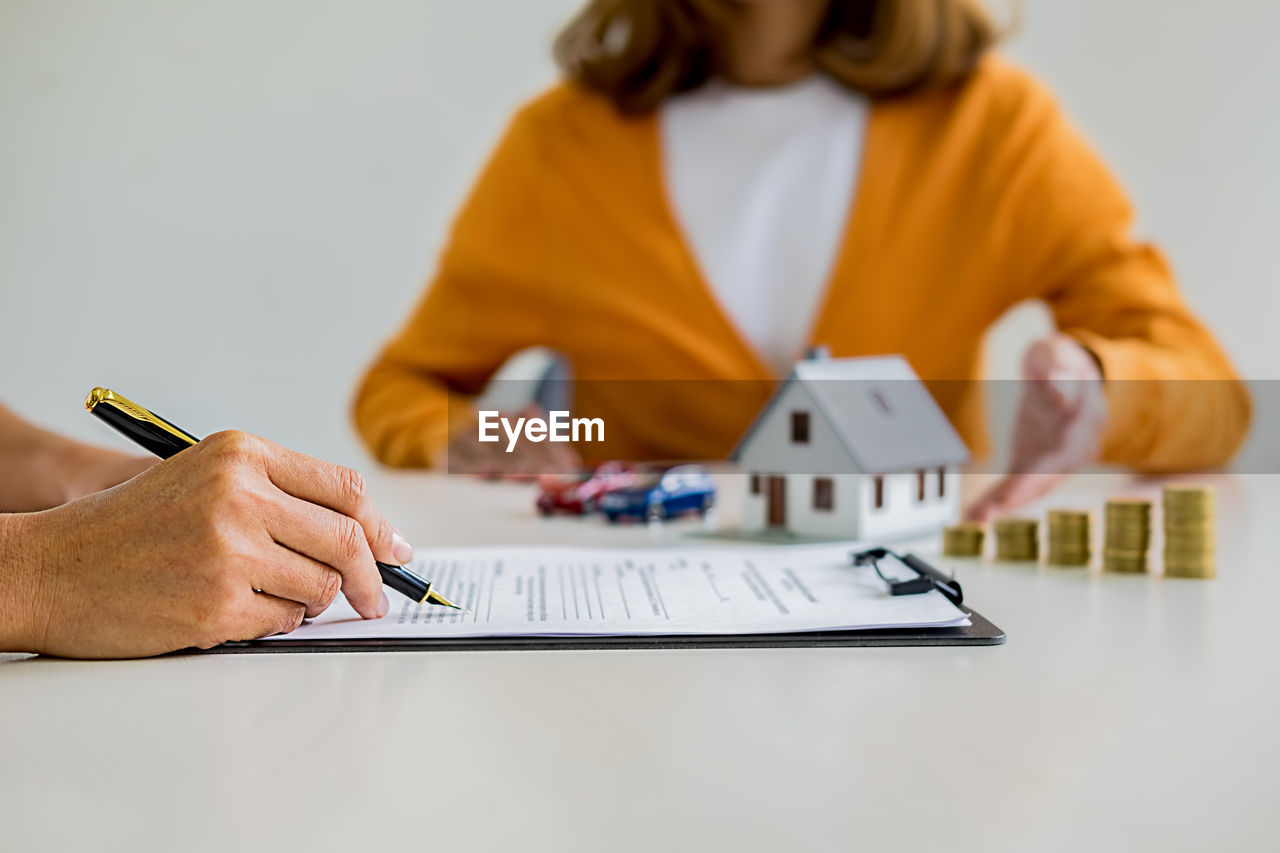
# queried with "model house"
point(851, 448)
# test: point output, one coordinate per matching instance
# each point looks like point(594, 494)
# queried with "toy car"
point(581, 495)
point(685, 488)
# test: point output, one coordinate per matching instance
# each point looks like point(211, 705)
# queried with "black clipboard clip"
point(927, 577)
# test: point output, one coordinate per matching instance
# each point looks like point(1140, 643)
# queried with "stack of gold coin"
point(1188, 532)
point(963, 540)
point(1128, 535)
point(1017, 539)
point(1070, 537)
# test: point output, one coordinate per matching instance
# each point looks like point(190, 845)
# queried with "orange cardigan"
point(970, 200)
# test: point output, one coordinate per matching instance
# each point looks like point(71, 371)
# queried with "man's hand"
point(233, 539)
point(1060, 424)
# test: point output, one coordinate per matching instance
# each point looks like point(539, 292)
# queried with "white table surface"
point(1124, 713)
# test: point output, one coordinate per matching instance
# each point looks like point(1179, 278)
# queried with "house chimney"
point(821, 352)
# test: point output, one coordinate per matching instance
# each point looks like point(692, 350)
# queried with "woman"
point(719, 184)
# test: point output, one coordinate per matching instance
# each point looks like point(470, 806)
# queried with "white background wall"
point(222, 208)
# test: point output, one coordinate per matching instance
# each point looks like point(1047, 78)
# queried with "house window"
point(920, 481)
point(942, 482)
point(878, 487)
point(823, 494)
point(755, 484)
point(799, 427)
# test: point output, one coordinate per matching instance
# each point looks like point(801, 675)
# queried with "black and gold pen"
point(154, 433)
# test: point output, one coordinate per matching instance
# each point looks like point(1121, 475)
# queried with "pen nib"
point(434, 597)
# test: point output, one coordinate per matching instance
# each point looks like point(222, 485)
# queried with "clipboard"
point(981, 632)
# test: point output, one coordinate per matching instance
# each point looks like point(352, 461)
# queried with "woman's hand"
point(41, 469)
point(1060, 424)
point(465, 454)
point(233, 539)
point(87, 469)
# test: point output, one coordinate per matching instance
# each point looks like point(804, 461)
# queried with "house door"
point(777, 502)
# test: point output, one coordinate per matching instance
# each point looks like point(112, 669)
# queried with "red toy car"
point(581, 495)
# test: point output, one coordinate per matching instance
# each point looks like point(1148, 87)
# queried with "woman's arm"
point(1132, 377)
point(41, 469)
point(485, 303)
point(1173, 397)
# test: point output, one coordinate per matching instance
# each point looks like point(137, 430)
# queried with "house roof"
point(880, 412)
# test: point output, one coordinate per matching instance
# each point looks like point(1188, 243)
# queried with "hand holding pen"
point(232, 539)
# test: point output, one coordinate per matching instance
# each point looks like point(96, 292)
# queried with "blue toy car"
point(685, 488)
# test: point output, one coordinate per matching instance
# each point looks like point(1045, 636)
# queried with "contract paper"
point(562, 592)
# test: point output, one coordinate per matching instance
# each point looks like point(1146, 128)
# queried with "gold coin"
point(1116, 564)
point(1189, 494)
point(1186, 541)
point(1188, 505)
point(1138, 546)
point(967, 527)
point(1129, 502)
point(1177, 569)
point(1067, 516)
point(1020, 551)
point(1017, 539)
point(1119, 527)
point(963, 540)
point(1121, 531)
point(1070, 537)
point(1127, 536)
point(1188, 559)
point(1195, 504)
point(1178, 522)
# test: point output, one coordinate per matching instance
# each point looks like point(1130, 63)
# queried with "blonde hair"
point(639, 52)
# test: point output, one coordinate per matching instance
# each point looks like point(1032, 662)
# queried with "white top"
point(762, 182)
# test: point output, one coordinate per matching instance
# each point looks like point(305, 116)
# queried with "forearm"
point(1175, 405)
point(406, 418)
point(21, 560)
point(421, 391)
point(1175, 401)
point(40, 469)
point(32, 465)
